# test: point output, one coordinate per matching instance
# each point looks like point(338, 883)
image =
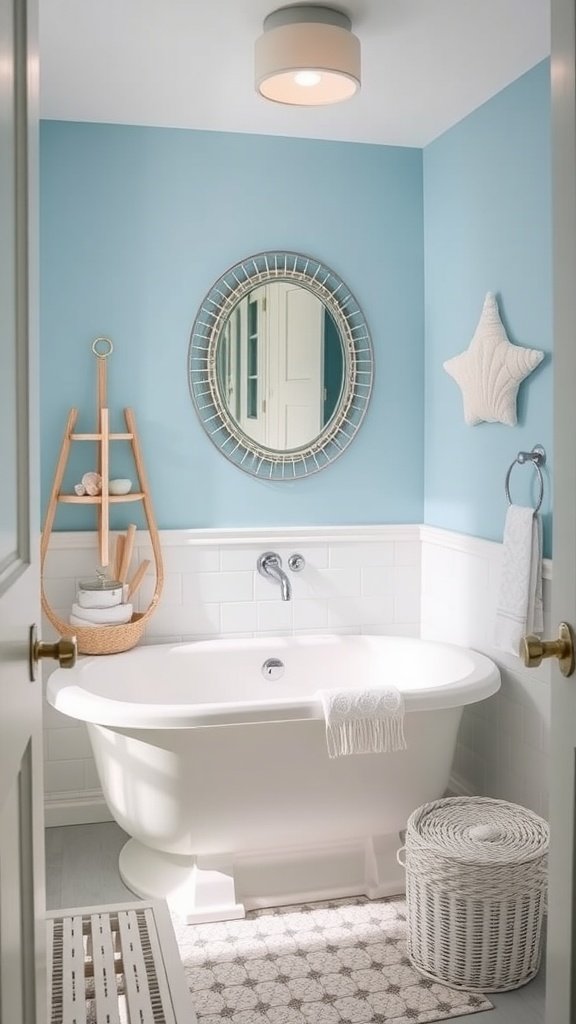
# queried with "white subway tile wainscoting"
point(400, 580)
point(503, 742)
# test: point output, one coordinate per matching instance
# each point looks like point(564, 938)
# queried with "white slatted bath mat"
point(116, 965)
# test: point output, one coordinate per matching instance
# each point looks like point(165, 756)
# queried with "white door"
point(561, 960)
point(297, 379)
point(253, 327)
point(22, 986)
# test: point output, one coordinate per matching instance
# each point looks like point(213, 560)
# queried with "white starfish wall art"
point(491, 370)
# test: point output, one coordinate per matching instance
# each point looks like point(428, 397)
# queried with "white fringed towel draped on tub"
point(369, 721)
point(519, 608)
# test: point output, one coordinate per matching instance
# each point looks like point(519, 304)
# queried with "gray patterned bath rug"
point(336, 962)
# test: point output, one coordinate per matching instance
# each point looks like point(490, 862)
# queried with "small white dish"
point(99, 592)
point(120, 486)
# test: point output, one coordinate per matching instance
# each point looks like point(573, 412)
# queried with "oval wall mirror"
point(280, 365)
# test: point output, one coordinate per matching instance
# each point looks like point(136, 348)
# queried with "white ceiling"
point(189, 64)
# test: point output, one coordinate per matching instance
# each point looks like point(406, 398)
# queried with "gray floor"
point(82, 866)
point(82, 871)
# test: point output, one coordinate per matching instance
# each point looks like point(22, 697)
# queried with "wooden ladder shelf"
point(103, 639)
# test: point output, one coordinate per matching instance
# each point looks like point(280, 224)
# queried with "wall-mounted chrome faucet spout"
point(270, 564)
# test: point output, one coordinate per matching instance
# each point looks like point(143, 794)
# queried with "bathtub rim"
point(65, 694)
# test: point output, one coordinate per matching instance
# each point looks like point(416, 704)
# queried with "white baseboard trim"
point(239, 536)
point(79, 808)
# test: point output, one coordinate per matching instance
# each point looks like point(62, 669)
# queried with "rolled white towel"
point(519, 609)
point(114, 616)
point(87, 624)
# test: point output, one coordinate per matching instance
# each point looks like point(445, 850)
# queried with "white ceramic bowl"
point(99, 598)
point(120, 486)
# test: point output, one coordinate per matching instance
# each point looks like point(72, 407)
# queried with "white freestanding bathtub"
point(218, 767)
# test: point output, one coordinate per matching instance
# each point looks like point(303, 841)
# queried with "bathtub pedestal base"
point(383, 875)
point(196, 895)
point(365, 866)
point(202, 889)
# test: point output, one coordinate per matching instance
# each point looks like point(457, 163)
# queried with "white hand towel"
point(114, 616)
point(369, 721)
point(520, 610)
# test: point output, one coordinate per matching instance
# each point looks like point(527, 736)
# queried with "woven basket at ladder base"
point(476, 879)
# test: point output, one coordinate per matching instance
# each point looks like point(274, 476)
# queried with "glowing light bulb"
point(307, 78)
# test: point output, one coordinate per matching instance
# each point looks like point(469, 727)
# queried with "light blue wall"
point(137, 223)
point(487, 203)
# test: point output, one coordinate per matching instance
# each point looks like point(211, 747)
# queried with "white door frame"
point(561, 959)
point(22, 905)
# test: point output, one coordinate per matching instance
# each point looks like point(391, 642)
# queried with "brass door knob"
point(533, 650)
point(63, 651)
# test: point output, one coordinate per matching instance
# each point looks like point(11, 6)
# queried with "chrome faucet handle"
point(268, 558)
point(296, 562)
point(270, 565)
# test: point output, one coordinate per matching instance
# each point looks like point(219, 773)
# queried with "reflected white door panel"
point(271, 365)
point(297, 390)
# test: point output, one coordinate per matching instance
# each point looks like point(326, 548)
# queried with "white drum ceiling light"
point(307, 56)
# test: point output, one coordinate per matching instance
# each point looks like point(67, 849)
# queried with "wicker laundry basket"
point(476, 875)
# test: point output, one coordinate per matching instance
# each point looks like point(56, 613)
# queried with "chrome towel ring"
point(538, 458)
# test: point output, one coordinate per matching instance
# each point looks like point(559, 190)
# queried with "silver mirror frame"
point(245, 453)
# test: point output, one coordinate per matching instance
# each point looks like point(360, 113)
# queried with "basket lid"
point(478, 830)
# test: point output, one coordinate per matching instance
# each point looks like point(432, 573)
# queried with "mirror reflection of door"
point(253, 370)
point(296, 366)
point(241, 364)
point(280, 365)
